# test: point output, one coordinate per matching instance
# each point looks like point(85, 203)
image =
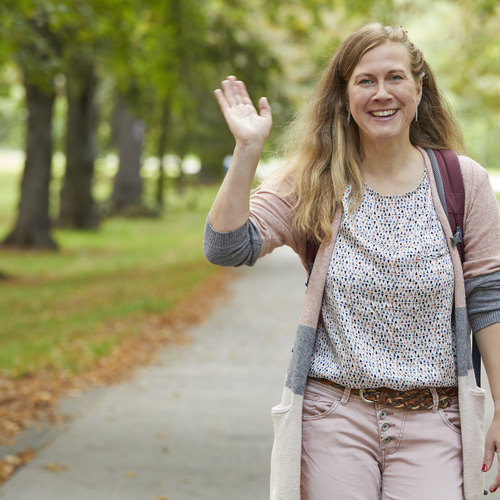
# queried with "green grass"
point(57, 307)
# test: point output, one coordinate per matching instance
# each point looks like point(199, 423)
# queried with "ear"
point(419, 91)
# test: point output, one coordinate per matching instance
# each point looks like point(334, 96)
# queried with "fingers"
point(243, 93)
point(221, 99)
point(230, 89)
point(233, 92)
point(496, 483)
point(489, 453)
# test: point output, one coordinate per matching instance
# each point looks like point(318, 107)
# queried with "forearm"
point(231, 207)
point(488, 341)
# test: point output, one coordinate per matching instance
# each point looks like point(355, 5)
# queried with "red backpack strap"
point(451, 192)
point(312, 248)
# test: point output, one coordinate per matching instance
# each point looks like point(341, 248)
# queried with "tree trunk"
point(129, 134)
point(32, 229)
point(162, 147)
point(77, 207)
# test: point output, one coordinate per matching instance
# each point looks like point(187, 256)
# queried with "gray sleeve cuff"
point(234, 248)
point(483, 300)
point(484, 320)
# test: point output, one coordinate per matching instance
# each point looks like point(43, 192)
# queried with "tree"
point(32, 229)
point(37, 52)
point(128, 130)
point(77, 206)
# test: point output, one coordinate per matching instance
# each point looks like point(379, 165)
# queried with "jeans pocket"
point(451, 416)
point(317, 406)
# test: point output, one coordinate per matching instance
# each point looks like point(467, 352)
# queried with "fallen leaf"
point(56, 468)
point(10, 463)
point(12, 460)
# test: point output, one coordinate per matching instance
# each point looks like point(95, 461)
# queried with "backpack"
point(448, 176)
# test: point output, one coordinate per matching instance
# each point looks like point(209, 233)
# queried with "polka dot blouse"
point(387, 305)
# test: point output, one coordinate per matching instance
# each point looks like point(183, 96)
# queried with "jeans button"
point(385, 427)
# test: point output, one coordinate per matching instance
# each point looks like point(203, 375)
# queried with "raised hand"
point(246, 124)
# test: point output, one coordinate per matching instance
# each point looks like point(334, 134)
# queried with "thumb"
point(264, 107)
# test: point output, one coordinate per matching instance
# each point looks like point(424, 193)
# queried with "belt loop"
point(346, 395)
point(383, 395)
point(435, 399)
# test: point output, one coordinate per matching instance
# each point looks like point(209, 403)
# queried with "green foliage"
point(461, 41)
point(12, 109)
point(167, 57)
point(186, 51)
point(28, 31)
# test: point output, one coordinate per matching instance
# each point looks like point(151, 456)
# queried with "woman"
point(384, 317)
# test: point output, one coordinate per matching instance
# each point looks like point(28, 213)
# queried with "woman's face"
point(383, 95)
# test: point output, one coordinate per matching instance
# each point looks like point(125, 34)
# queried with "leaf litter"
point(32, 400)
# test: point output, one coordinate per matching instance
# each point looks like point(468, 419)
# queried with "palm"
point(245, 123)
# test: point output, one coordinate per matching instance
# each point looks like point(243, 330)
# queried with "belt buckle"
point(362, 396)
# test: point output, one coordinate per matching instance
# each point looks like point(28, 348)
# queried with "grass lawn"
point(60, 310)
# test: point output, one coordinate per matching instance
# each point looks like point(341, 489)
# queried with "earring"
point(349, 117)
point(416, 114)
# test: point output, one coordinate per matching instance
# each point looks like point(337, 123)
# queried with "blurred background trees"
point(91, 81)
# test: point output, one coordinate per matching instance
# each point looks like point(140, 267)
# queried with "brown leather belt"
point(413, 399)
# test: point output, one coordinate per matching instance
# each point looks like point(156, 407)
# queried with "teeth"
point(384, 113)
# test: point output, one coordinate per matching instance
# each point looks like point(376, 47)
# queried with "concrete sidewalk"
point(195, 427)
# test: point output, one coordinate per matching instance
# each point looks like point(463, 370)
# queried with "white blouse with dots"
point(388, 300)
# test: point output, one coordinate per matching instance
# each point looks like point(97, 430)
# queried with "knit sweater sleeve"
point(269, 226)
point(482, 246)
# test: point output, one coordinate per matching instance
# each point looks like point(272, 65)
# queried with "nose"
point(382, 94)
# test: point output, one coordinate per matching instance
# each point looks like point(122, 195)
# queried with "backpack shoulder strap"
point(450, 184)
point(448, 175)
point(312, 248)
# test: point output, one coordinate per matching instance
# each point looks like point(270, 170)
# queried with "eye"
point(396, 78)
point(365, 81)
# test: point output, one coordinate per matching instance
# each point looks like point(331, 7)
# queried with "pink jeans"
point(352, 450)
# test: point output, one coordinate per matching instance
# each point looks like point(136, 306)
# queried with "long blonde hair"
point(323, 149)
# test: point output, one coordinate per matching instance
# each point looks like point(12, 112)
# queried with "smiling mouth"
point(389, 112)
